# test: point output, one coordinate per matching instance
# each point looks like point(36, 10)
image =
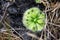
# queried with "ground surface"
point(11, 13)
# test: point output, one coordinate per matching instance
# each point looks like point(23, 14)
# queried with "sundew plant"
point(37, 1)
point(34, 19)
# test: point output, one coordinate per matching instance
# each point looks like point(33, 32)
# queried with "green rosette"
point(37, 1)
point(34, 19)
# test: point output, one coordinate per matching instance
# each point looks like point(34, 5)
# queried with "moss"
point(34, 19)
